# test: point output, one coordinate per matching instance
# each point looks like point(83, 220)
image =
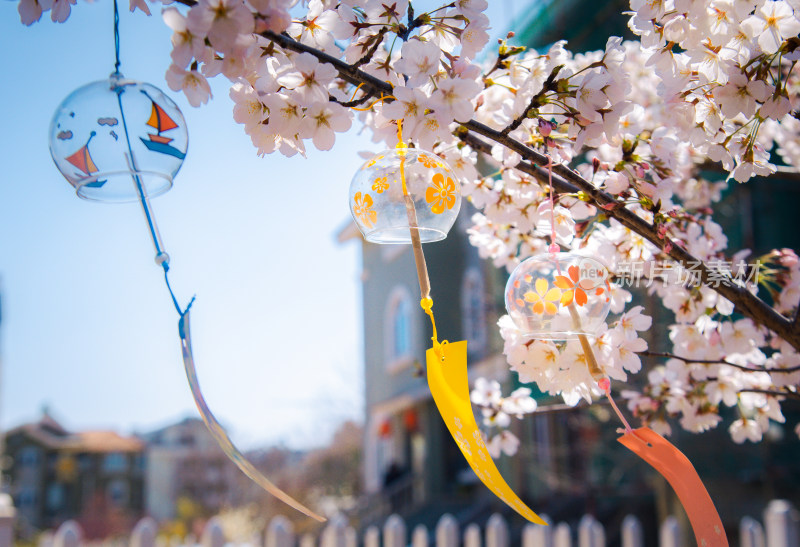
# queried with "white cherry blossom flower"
point(505, 442)
point(221, 21)
point(185, 45)
point(193, 84)
point(740, 94)
point(308, 78)
point(474, 37)
point(745, 430)
point(60, 10)
point(316, 30)
point(31, 11)
point(140, 5)
point(771, 24)
point(486, 392)
point(322, 121)
point(452, 100)
point(419, 61)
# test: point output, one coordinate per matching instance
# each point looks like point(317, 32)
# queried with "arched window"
point(473, 310)
point(398, 328)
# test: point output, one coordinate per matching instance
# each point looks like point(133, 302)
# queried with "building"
point(95, 477)
point(184, 461)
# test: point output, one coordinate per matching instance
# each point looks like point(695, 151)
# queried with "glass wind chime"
point(407, 195)
point(119, 140)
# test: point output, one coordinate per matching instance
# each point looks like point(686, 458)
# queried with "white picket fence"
point(781, 529)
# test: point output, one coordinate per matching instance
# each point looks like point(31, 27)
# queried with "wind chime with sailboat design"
point(102, 140)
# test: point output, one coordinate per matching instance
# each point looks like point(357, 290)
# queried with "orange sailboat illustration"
point(82, 159)
point(160, 121)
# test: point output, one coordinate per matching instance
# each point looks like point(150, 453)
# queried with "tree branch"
point(371, 51)
point(536, 100)
point(716, 362)
point(567, 180)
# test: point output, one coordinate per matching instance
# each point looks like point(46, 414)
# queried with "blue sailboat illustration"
point(160, 121)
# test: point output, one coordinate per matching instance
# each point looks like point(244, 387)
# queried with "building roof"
point(50, 434)
point(107, 441)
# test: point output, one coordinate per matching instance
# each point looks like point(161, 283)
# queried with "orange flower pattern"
point(380, 184)
point(541, 299)
point(428, 161)
point(372, 162)
point(575, 288)
point(363, 209)
point(441, 193)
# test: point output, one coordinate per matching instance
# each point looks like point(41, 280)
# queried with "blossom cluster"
point(497, 412)
point(708, 86)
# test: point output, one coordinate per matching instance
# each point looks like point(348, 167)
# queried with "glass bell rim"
point(82, 183)
point(555, 336)
point(427, 235)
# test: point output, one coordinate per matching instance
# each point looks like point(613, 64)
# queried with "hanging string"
point(162, 259)
point(591, 361)
point(116, 38)
point(554, 248)
point(416, 244)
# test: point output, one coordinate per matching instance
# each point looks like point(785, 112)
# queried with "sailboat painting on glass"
point(160, 121)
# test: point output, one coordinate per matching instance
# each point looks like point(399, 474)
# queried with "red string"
point(605, 383)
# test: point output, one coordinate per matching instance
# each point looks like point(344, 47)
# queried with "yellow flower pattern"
point(441, 193)
point(541, 299)
point(362, 209)
point(380, 184)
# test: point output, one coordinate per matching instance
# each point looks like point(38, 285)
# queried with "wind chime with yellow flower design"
point(407, 195)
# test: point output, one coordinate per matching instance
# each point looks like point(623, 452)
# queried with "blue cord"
point(116, 37)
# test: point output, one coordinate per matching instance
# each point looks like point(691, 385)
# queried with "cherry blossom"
point(191, 82)
point(703, 83)
point(771, 24)
point(31, 11)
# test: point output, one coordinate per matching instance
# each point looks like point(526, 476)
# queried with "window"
point(55, 497)
point(29, 456)
point(473, 310)
point(115, 461)
point(398, 328)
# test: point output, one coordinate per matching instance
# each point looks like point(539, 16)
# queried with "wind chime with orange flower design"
point(407, 195)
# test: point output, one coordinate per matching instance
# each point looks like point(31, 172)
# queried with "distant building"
point(96, 477)
point(183, 460)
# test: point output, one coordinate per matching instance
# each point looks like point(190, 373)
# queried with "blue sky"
point(87, 325)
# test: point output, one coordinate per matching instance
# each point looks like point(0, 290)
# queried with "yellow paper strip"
point(447, 379)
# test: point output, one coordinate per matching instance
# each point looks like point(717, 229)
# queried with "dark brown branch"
point(354, 102)
point(369, 54)
point(715, 362)
point(536, 100)
point(569, 181)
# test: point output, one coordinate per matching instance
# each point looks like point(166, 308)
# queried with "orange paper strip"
point(447, 378)
point(681, 475)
